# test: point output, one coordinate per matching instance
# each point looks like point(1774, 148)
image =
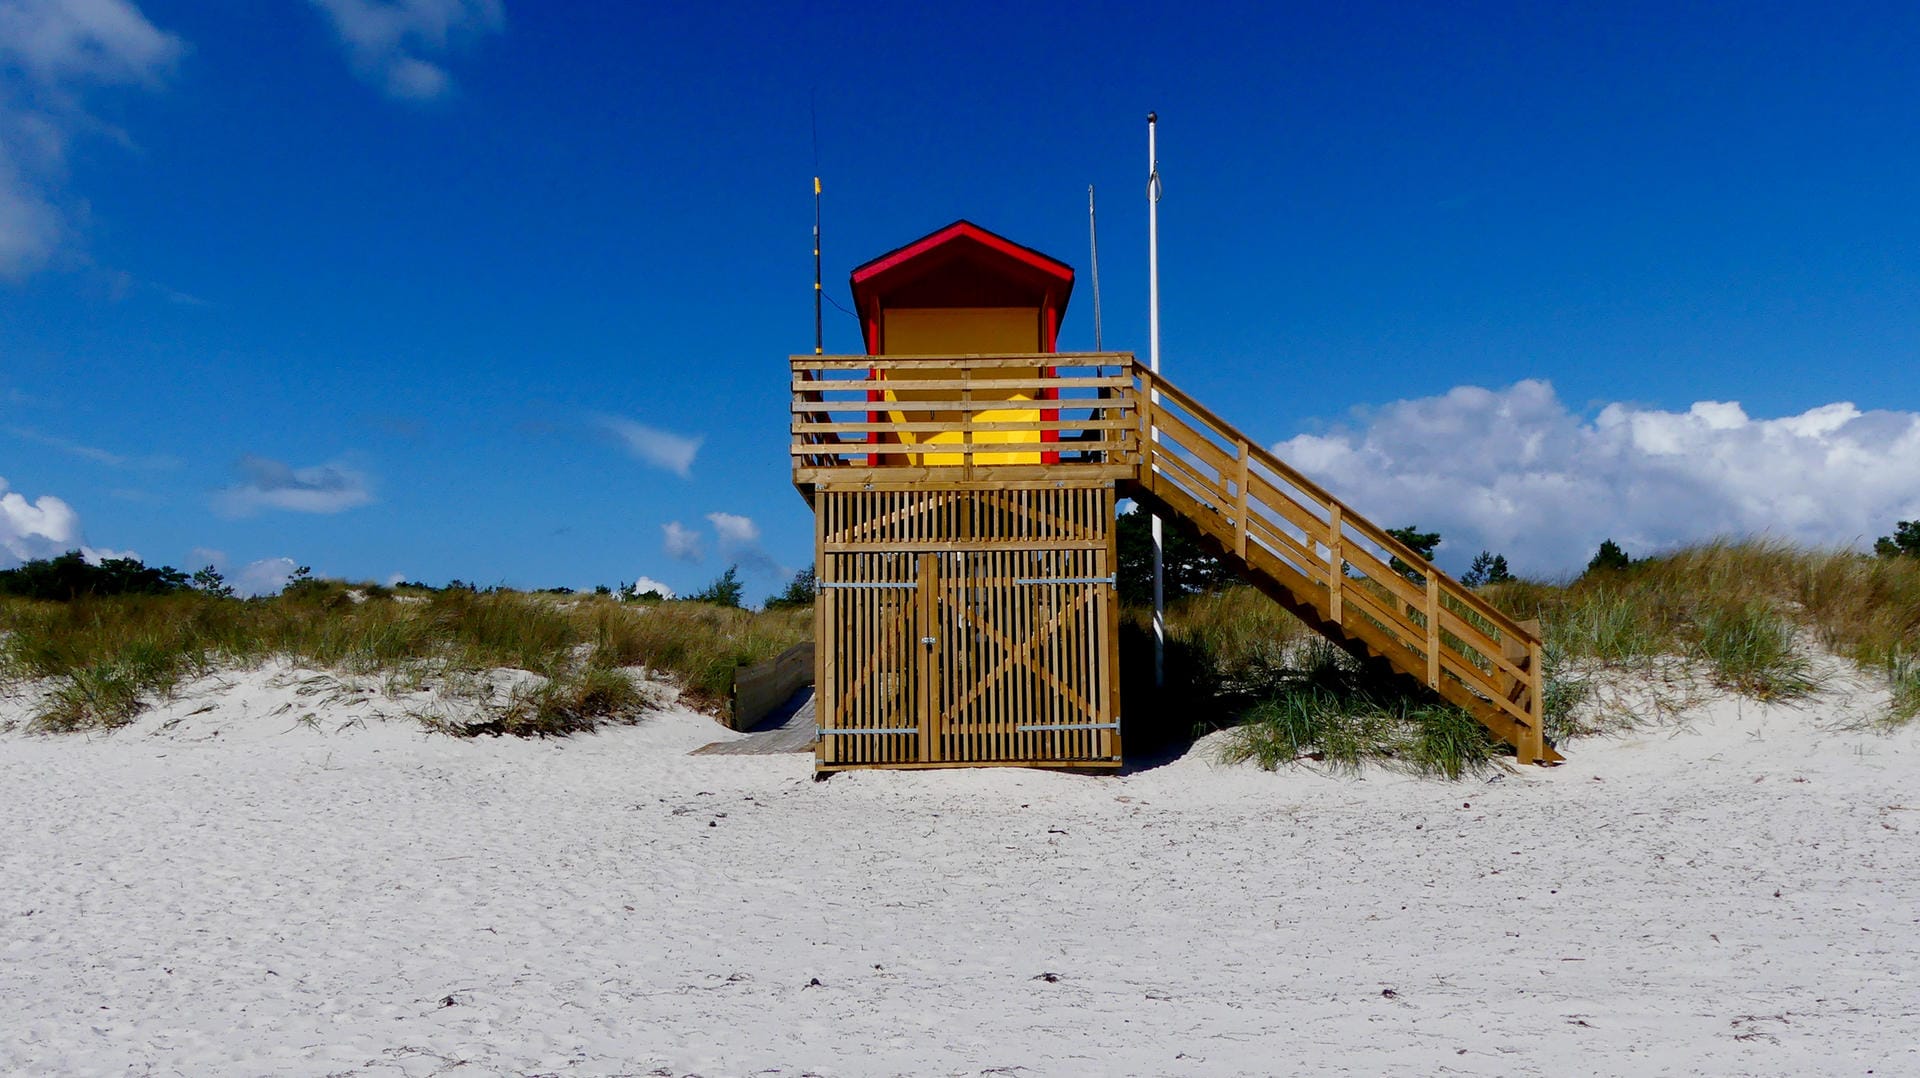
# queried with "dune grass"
point(1328, 709)
point(1238, 661)
point(1738, 609)
point(1741, 614)
point(99, 659)
point(1903, 676)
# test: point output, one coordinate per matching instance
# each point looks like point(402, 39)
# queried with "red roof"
point(962, 265)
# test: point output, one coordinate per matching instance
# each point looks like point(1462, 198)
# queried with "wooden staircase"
point(1332, 569)
point(1102, 418)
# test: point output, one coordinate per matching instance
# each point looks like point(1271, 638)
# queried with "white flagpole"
point(1153, 363)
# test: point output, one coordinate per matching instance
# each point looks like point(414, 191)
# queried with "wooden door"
point(869, 695)
point(1022, 665)
point(960, 627)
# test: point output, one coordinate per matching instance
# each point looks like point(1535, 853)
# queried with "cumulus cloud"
point(41, 528)
point(269, 484)
point(52, 54)
point(648, 584)
point(389, 41)
point(95, 556)
point(740, 542)
point(734, 529)
point(45, 527)
point(268, 576)
point(682, 543)
point(1514, 470)
point(662, 449)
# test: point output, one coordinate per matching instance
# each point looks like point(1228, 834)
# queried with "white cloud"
point(108, 41)
point(94, 556)
point(740, 542)
point(388, 41)
point(734, 529)
point(202, 556)
point(648, 584)
point(269, 484)
point(1513, 470)
point(58, 50)
point(41, 528)
point(662, 449)
point(268, 576)
point(682, 543)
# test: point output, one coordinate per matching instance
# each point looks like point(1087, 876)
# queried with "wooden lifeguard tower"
point(964, 476)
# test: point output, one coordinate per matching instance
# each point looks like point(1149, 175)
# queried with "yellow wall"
point(952, 331)
point(964, 331)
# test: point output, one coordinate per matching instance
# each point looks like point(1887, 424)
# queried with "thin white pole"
point(1093, 247)
point(1153, 363)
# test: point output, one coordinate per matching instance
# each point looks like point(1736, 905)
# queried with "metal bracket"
point(1036, 580)
point(842, 731)
point(1071, 726)
point(850, 584)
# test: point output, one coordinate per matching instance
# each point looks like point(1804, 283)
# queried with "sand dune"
point(230, 890)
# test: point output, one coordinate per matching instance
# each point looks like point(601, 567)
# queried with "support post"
point(1240, 510)
point(1153, 361)
point(1336, 560)
point(1536, 750)
point(1433, 627)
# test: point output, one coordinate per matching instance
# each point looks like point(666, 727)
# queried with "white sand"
point(242, 893)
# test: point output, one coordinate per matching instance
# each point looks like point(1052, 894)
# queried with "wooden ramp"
point(790, 728)
point(1332, 567)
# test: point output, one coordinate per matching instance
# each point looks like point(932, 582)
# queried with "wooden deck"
point(1103, 418)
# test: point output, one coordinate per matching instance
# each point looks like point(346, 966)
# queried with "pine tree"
point(724, 591)
point(800, 591)
point(1609, 558)
point(1903, 543)
point(1477, 573)
point(1497, 572)
point(1421, 543)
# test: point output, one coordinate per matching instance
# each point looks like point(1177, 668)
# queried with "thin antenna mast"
point(819, 338)
point(1153, 362)
point(1093, 245)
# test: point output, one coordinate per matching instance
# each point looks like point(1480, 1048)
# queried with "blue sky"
point(503, 291)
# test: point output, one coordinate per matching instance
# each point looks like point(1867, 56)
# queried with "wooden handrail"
point(1227, 433)
point(1433, 618)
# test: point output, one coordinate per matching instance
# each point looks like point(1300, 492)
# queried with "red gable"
point(962, 265)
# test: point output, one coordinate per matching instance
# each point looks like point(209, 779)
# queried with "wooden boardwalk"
point(790, 728)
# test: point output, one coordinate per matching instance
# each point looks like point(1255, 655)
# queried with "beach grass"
point(100, 658)
point(1745, 616)
point(1330, 710)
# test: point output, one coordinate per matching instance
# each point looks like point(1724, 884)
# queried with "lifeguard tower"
point(964, 476)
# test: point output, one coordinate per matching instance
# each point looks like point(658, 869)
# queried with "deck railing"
point(876, 417)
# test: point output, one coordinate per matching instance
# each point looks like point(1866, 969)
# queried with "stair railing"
point(1282, 524)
